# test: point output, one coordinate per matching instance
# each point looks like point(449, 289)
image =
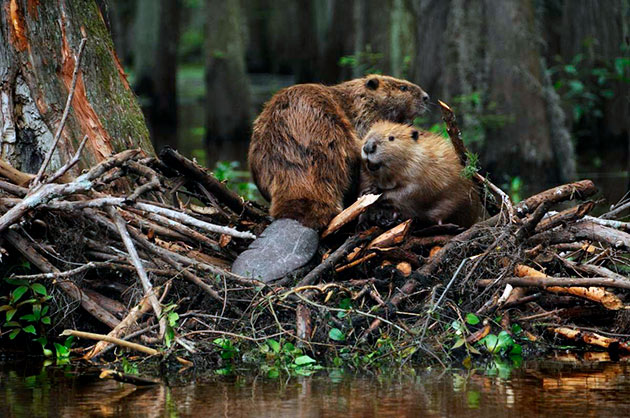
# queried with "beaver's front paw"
point(382, 216)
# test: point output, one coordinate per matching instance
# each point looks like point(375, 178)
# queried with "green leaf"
point(5, 308)
point(29, 318)
point(39, 288)
point(274, 345)
point(16, 282)
point(10, 314)
point(273, 373)
point(516, 349)
point(30, 329)
point(576, 86)
point(46, 320)
point(472, 319)
point(491, 343)
point(570, 69)
point(18, 293)
point(335, 334)
point(289, 348)
point(516, 329)
point(14, 333)
point(224, 371)
point(303, 360)
point(458, 343)
point(337, 362)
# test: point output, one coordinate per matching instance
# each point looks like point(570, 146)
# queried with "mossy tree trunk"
point(39, 43)
point(227, 86)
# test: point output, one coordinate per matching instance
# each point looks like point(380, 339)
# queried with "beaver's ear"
point(414, 135)
point(372, 83)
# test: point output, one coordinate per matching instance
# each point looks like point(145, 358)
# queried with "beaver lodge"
point(148, 271)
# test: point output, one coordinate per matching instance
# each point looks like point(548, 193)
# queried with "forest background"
point(541, 87)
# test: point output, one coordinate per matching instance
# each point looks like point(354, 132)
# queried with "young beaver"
point(305, 158)
point(305, 149)
point(419, 175)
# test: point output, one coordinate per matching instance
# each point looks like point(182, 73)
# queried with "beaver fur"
point(305, 153)
point(419, 175)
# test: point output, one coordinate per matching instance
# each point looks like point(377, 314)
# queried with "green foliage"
point(584, 84)
point(516, 189)
point(472, 165)
point(284, 356)
point(25, 308)
point(129, 367)
point(172, 319)
point(62, 351)
point(367, 62)
point(227, 352)
point(228, 172)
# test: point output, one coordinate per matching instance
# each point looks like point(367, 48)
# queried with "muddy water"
point(547, 388)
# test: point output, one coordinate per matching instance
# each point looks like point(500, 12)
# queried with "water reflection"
point(551, 388)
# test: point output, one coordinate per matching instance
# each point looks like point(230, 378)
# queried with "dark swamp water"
point(554, 387)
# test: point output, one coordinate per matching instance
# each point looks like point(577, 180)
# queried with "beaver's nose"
point(369, 147)
point(425, 97)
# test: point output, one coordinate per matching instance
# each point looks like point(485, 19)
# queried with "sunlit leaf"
point(472, 319)
point(274, 345)
point(18, 293)
point(39, 288)
point(303, 360)
point(336, 334)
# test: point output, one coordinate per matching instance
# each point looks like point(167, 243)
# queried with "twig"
point(75, 159)
point(66, 110)
point(142, 274)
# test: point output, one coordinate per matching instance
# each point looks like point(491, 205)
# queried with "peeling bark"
point(40, 41)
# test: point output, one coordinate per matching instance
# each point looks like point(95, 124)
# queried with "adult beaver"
point(418, 174)
point(305, 155)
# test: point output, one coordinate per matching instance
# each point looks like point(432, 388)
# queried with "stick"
point(100, 337)
point(67, 287)
point(191, 170)
point(66, 110)
point(69, 164)
point(578, 190)
point(142, 274)
point(456, 139)
point(187, 219)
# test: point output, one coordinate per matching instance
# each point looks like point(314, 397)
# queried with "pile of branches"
point(135, 239)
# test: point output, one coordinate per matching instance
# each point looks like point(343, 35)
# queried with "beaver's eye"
point(403, 88)
point(391, 138)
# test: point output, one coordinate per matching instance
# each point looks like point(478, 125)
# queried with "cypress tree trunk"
point(227, 85)
point(39, 41)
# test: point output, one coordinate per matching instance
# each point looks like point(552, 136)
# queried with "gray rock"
point(283, 247)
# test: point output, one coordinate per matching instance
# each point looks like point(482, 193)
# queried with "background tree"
point(155, 60)
point(227, 85)
point(39, 42)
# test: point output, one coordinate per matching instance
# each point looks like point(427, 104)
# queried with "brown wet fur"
point(419, 175)
point(305, 149)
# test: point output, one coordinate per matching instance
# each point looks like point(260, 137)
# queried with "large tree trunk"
point(227, 85)
point(37, 57)
point(488, 55)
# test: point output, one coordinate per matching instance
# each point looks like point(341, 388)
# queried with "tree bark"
point(227, 86)
point(37, 58)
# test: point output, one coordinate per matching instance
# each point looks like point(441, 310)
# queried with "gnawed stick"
point(595, 294)
point(142, 274)
point(122, 328)
point(590, 338)
point(350, 213)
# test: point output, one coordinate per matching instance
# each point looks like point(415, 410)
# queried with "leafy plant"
point(228, 353)
point(172, 319)
point(25, 297)
point(285, 356)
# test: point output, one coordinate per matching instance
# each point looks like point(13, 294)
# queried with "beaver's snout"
point(369, 147)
